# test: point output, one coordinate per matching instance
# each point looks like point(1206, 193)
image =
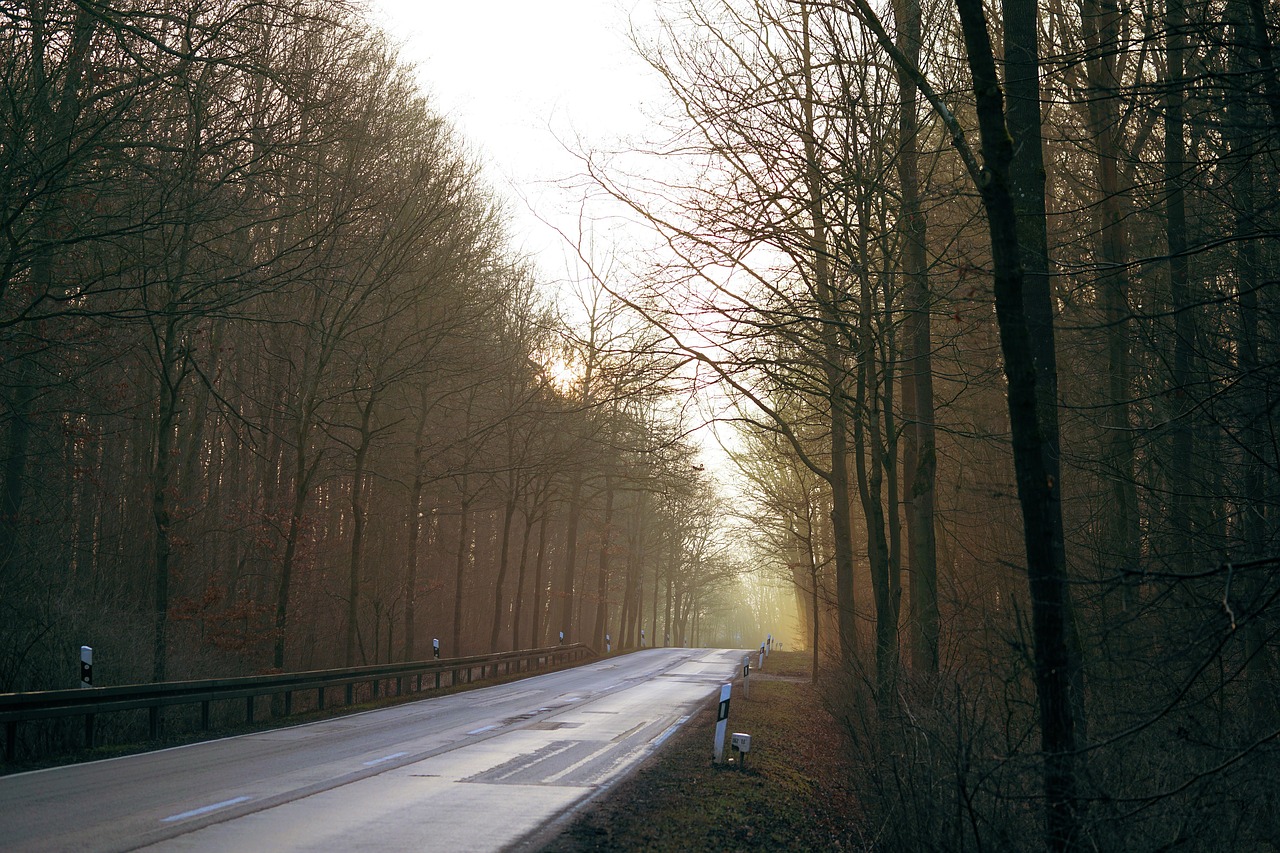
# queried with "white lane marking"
point(513, 697)
point(385, 758)
point(535, 758)
point(671, 729)
point(482, 730)
point(204, 809)
point(556, 777)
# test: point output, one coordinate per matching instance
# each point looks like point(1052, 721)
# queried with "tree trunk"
point(521, 572)
point(1181, 485)
point(303, 472)
point(537, 635)
point(602, 571)
point(500, 601)
point(563, 611)
point(917, 401)
point(1056, 665)
point(57, 117)
point(415, 534)
point(1254, 388)
point(171, 372)
point(884, 584)
point(831, 321)
point(357, 536)
point(460, 566)
point(1101, 44)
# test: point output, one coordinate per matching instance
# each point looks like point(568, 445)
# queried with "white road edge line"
point(671, 729)
point(385, 758)
point(482, 730)
point(205, 809)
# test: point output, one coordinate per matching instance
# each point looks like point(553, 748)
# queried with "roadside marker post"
point(746, 676)
point(740, 745)
point(768, 648)
point(435, 649)
point(722, 722)
point(86, 680)
point(86, 666)
point(761, 656)
point(608, 645)
point(642, 638)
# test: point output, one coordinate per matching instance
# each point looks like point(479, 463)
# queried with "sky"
point(519, 79)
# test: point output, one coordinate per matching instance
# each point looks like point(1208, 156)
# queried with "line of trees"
point(921, 241)
point(275, 390)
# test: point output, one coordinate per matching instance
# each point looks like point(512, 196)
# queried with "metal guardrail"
point(17, 708)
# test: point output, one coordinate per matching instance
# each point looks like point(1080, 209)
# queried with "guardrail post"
point(248, 710)
point(204, 716)
point(153, 721)
point(350, 692)
point(288, 702)
point(88, 731)
point(10, 740)
point(320, 698)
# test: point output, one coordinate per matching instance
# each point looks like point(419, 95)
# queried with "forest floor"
point(794, 791)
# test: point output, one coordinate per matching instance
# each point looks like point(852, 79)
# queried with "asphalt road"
point(474, 771)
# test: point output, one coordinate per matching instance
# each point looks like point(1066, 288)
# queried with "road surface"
point(473, 771)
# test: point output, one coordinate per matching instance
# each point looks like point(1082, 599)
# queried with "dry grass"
point(794, 792)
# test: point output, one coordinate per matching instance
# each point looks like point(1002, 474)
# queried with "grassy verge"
point(793, 793)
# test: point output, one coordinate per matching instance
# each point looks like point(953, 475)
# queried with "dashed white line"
point(204, 809)
point(384, 758)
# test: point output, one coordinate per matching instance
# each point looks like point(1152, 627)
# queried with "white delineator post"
point(722, 721)
point(746, 676)
point(86, 666)
point(762, 656)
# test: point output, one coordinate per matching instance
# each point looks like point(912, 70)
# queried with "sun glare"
point(564, 375)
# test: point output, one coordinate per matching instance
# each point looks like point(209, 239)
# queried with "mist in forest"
point(983, 310)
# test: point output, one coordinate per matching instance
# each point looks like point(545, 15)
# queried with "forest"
point(993, 288)
point(986, 293)
point(277, 391)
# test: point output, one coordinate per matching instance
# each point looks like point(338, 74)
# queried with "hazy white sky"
point(519, 76)
point(514, 75)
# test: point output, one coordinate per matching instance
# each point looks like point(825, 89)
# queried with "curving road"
point(473, 771)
